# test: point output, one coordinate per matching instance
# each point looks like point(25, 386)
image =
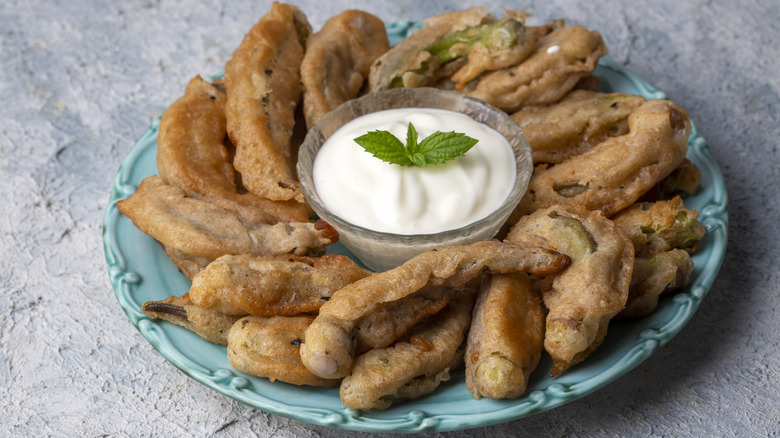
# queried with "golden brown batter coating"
point(268, 347)
point(560, 131)
point(506, 337)
point(201, 229)
point(192, 156)
point(411, 64)
point(338, 59)
point(391, 320)
point(615, 173)
point(655, 227)
point(455, 47)
point(509, 43)
point(414, 367)
point(210, 325)
point(652, 277)
point(329, 344)
point(664, 234)
point(584, 297)
point(190, 146)
point(559, 61)
point(263, 89)
point(272, 285)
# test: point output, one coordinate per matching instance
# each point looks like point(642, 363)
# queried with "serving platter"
point(140, 271)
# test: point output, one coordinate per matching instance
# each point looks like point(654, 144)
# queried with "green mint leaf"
point(418, 159)
point(443, 146)
point(436, 148)
point(385, 146)
point(411, 139)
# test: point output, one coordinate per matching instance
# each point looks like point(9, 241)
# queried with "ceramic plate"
point(140, 271)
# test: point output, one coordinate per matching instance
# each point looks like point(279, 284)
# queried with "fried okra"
point(563, 130)
point(583, 298)
point(506, 337)
point(329, 343)
point(559, 61)
point(618, 171)
point(414, 366)
point(272, 285)
point(337, 61)
point(263, 84)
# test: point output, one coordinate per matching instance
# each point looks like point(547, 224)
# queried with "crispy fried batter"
point(591, 291)
point(506, 337)
point(661, 226)
point(414, 367)
point(615, 173)
point(272, 285)
point(338, 59)
point(210, 325)
point(559, 61)
point(509, 43)
point(652, 277)
point(456, 47)
point(568, 128)
point(192, 156)
point(263, 89)
point(201, 229)
point(268, 347)
point(329, 347)
point(391, 320)
point(411, 64)
point(664, 233)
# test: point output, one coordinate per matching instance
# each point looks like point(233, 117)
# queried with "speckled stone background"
point(81, 81)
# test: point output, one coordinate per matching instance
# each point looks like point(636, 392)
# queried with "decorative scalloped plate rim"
point(140, 271)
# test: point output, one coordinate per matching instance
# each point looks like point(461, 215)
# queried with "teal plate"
point(140, 271)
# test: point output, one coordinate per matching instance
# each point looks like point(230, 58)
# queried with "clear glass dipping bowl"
point(380, 251)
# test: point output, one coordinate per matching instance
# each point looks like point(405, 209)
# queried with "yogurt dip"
point(385, 197)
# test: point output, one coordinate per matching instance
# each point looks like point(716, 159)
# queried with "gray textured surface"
point(81, 81)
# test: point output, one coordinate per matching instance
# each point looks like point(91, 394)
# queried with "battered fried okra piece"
point(191, 155)
point(391, 320)
point(337, 61)
point(652, 277)
point(413, 367)
point(210, 325)
point(506, 337)
point(263, 88)
point(444, 45)
point(329, 343)
point(663, 233)
point(655, 227)
point(268, 347)
point(201, 229)
point(508, 43)
point(562, 130)
point(559, 61)
point(615, 173)
point(583, 298)
point(283, 285)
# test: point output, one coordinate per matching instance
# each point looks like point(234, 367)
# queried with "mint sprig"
point(434, 149)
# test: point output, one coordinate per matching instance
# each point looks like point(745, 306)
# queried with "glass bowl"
point(380, 251)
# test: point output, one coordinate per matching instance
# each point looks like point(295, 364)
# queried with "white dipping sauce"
point(369, 192)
